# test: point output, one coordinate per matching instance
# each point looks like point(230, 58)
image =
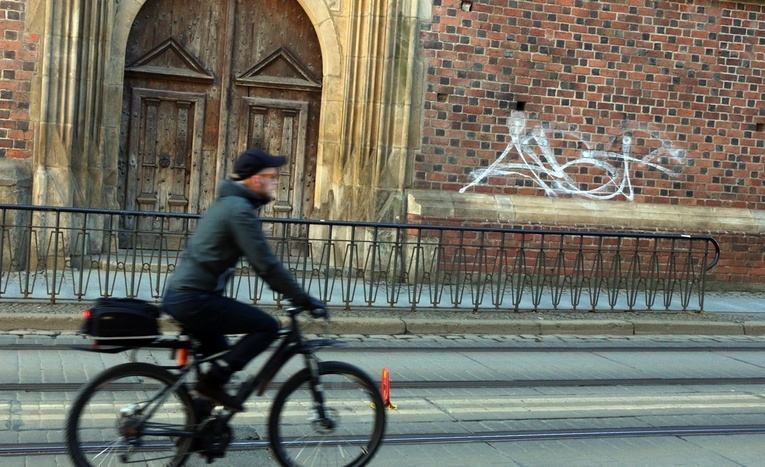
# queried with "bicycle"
point(328, 413)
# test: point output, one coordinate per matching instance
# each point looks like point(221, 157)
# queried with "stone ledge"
point(754, 328)
point(688, 327)
point(71, 322)
point(450, 326)
point(346, 326)
point(587, 327)
point(513, 209)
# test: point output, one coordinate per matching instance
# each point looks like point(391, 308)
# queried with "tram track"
point(462, 384)
point(541, 348)
point(53, 448)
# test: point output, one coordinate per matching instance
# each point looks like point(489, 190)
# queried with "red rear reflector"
point(86, 314)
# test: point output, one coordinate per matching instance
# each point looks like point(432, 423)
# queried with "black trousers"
point(209, 317)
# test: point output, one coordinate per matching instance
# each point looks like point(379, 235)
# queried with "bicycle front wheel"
point(348, 433)
point(131, 414)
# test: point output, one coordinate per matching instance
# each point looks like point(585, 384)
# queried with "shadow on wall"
point(556, 159)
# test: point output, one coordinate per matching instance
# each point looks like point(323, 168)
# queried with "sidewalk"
point(725, 314)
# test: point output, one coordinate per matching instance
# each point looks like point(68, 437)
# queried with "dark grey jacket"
point(229, 230)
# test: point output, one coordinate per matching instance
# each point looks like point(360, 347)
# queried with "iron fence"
point(67, 254)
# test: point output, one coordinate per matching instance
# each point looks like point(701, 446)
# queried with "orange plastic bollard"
point(182, 356)
point(385, 389)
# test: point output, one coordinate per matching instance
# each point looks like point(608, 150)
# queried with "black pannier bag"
point(122, 321)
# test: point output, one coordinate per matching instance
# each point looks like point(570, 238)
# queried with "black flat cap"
point(253, 161)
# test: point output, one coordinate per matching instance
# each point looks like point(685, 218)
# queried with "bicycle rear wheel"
point(350, 433)
point(106, 425)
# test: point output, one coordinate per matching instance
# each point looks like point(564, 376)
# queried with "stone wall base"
point(15, 181)
point(15, 189)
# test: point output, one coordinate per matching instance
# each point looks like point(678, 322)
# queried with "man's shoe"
point(214, 391)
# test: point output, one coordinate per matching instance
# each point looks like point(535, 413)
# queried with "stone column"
point(69, 150)
point(69, 156)
point(380, 126)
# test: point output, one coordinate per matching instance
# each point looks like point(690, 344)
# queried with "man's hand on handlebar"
point(321, 312)
point(316, 307)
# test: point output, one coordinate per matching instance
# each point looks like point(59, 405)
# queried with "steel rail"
point(541, 435)
point(543, 349)
point(459, 384)
point(47, 449)
point(531, 348)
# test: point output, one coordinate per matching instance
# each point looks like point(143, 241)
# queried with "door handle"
point(164, 160)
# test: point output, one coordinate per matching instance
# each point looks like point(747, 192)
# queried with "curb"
point(416, 326)
point(690, 327)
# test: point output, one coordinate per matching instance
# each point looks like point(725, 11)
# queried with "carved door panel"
point(279, 127)
point(165, 140)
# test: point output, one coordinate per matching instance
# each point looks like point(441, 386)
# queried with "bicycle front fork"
point(322, 415)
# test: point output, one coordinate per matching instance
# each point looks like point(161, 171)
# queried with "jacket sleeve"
point(248, 234)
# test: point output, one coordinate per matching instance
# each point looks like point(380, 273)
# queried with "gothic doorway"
point(203, 82)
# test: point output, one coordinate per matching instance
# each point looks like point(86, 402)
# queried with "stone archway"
point(79, 89)
point(367, 133)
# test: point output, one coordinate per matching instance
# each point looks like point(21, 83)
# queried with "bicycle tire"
point(92, 426)
point(354, 404)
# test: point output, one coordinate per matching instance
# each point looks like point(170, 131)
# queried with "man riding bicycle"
point(229, 230)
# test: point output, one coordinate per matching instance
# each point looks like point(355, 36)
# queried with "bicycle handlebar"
point(296, 310)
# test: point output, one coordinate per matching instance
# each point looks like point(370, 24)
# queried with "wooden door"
point(207, 80)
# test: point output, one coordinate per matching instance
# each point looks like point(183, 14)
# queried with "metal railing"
point(65, 254)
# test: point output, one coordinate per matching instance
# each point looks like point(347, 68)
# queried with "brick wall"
point(650, 102)
point(18, 62)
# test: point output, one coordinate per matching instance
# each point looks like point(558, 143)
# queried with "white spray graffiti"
point(540, 164)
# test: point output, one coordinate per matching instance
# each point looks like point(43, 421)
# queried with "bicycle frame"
point(291, 344)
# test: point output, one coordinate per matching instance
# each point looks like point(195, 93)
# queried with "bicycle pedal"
point(218, 396)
